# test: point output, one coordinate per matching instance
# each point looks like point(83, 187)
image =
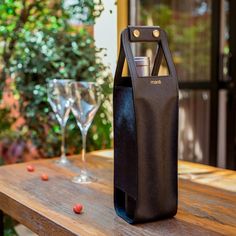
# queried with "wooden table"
point(207, 201)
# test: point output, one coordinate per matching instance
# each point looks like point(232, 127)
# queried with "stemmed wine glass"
point(86, 101)
point(59, 97)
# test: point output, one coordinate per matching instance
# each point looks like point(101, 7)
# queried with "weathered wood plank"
point(46, 207)
point(208, 175)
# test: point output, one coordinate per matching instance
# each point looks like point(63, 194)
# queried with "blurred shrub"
point(41, 40)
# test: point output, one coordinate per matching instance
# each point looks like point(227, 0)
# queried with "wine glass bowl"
point(86, 101)
point(59, 97)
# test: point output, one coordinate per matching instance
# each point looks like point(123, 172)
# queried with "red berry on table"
point(44, 177)
point(30, 168)
point(78, 208)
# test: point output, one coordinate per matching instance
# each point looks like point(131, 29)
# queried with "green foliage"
point(9, 226)
point(41, 40)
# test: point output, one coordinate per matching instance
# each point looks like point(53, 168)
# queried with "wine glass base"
point(63, 162)
point(84, 179)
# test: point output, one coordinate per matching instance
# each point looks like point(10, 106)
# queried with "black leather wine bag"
point(145, 133)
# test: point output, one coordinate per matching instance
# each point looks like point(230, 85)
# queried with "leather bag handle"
point(143, 34)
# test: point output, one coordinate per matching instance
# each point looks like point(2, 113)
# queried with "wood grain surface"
point(46, 206)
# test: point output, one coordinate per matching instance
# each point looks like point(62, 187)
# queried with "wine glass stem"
point(84, 136)
point(63, 155)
